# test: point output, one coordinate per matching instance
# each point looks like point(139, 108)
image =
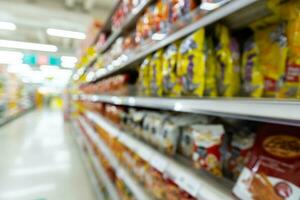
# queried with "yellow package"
point(156, 76)
point(144, 77)
point(171, 86)
point(289, 85)
point(191, 64)
point(272, 45)
point(228, 69)
point(252, 77)
point(210, 69)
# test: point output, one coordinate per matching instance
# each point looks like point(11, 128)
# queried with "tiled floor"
point(40, 161)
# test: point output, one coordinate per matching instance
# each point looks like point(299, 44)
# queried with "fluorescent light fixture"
point(158, 36)
point(28, 45)
point(68, 59)
point(11, 57)
point(68, 65)
point(7, 26)
point(18, 68)
point(66, 34)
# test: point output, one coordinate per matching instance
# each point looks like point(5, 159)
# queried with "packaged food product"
point(144, 77)
point(207, 147)
point(186, 143)
point(240, 150)
point(171, 84)
point(289, 85)
point(253, 81)
point(210, 69)
point(273, 170)
point(172, 129)
point(161, 17)
point(156, 125)
point(156, 76)
point(228, 69)
point(137, 122)
point(191, 64)
point(179, 8)
point(272, 44)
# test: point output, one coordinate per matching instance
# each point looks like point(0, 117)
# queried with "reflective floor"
point(40, 161)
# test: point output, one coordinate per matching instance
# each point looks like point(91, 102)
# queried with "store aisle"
point(41, 162)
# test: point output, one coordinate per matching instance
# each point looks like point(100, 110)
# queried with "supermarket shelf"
point(87, 163)
point(101, 172)
point(129, 21)
point(199, 186)
point(222, 12)
point(265, 110)
point(122, 173)
point(8, 119)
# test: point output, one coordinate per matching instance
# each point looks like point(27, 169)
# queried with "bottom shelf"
point(96, 184)
point(137, 190)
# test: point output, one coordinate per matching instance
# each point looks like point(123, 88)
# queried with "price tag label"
point(183, 179)
point(159, 163)
point(190, 185)
point(144, 153)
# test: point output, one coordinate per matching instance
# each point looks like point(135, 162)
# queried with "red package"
point(273, 171)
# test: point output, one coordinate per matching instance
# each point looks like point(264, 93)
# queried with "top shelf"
point(250, 10)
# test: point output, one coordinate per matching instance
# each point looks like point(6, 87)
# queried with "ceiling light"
point(7, 26)
point(66, 34)
point(18, 68)
point(28, 45)
point(11, 57)
point(68, 65)
point(69, 59)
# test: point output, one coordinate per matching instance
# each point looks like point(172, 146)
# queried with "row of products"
point(202, 65)
point(116, 85)
point(123, 10)
point(263, 159)
point(122, 189)
point(158, 18)
point(157, 183)
point(213, 63)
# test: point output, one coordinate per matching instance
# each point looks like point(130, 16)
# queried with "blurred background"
point(40, 42)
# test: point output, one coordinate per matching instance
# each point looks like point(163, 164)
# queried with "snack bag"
point(179, 8)
point(161, 17)
point(210, 69)
point(253, 82)
point(207, 147)
point(240, 151)
point(273, 170)
point(145, 77)
point(186, 143)
point(289, 85)
point(272, 44)
point(172, 129)
point(170, 80)
point(156, 127)
point(191, 64)
point(156, 75)
point(228, 69)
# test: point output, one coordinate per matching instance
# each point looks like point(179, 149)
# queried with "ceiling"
point(33, 17)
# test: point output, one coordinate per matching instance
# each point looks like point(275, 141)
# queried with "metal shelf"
point(122, 173)
point(87, 163)
point(227, 10)
point(199, 186)
point(265, 110)
point(101, 172)
point(129, 21)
